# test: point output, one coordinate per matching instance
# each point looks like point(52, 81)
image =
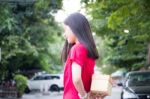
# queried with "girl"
point(79, 55)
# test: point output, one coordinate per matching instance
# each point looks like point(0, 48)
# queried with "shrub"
point(21, 83)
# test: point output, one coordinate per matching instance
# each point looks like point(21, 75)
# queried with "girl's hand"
point(97, 96)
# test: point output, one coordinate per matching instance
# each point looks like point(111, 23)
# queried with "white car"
point(50, 82)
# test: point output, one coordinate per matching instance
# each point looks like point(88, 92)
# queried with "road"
point(115, 95)
point(41, 96)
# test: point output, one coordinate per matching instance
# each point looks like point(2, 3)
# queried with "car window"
point(47, 77)
point(55, 77)
point(138, 79)
point(51, 77)
point(38, 78)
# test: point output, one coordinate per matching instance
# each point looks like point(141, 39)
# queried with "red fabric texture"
point(78, 54)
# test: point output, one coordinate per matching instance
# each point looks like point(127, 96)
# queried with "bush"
point(21, 84)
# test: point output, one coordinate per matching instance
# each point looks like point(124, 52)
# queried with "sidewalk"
point(37, 95)
point(54, 95)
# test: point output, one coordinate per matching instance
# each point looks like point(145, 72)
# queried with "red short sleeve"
point(78, 54)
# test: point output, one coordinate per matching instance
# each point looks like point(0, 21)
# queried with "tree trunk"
point(148, 55)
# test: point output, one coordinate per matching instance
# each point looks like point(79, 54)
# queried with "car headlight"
point(128, 94)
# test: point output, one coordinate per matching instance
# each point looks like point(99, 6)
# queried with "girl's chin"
point(70, 42)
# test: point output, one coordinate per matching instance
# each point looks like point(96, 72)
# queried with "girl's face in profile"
point(69, 35)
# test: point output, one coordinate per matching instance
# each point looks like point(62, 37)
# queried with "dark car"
point(136, 85)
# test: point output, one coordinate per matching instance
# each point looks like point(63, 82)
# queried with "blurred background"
point(31, 42)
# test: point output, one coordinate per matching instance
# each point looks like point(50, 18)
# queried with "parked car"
point(136, 85)
point(53, 82)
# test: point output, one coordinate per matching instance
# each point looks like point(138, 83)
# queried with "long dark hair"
point(81, 29)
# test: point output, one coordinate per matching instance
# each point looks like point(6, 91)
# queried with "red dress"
point(78, 54)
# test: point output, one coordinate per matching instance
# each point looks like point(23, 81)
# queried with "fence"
point(8, 91)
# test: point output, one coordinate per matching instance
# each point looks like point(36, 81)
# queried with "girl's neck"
point(77, 42)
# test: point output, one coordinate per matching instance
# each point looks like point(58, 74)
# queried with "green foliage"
point(109, 20)
point(21, 83)
point(108, 69)
point(26, 33)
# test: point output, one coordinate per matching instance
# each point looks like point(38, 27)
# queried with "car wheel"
point(54, 88)
point(27, 90)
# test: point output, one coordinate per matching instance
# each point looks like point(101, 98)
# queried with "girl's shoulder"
point(79, 47)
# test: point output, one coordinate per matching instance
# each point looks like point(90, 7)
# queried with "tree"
point(26, 33)
point(124, 26)
point(148, 56)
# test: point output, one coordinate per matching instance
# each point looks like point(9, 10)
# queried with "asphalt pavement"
point(115, 95)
